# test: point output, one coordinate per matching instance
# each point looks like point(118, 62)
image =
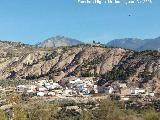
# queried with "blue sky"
point(32, 21)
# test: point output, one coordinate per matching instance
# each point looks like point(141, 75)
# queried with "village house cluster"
point(124, 91)
point(70, 87)
point(65, 87)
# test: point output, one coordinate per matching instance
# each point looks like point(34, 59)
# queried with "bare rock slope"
point(28, 62)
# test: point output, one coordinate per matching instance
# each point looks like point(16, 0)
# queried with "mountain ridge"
point(136, 44)
point(127, 43)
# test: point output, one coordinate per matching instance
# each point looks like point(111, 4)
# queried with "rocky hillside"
point(58, 41)
point(28, 62)
point(136, 44)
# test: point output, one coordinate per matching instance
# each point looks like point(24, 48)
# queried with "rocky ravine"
point(28, 62)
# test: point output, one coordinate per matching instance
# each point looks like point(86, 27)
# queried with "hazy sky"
point(31, 21)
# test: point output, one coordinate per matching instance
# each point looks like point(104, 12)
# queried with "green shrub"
point(2, 115)
point(151, 114)
point(19, 113)
point(85, 115)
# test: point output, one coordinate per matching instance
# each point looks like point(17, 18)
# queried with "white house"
point(52, 86)
point(31, 88)
point(41, 89)
point(51, 93)
point(137, 91)
point(150, 94)
point(67, 92)
point(78, 80)
point(60, 92)
point(86, 91)
point(1, 88)
point(55, 85)
point(20, 88)
point(41, 82)
point(41, 94)
point(28, 88)
point(95, 88)
point(109, 90)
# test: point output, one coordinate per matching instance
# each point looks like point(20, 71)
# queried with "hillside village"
point(75, 92)
point(79, 60)
point(83, 87)
point(85, 73)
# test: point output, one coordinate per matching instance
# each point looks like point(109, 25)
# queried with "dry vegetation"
point(45, 110)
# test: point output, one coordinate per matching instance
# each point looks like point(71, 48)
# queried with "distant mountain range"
point(136, 44)
point(128, 43)
point(58, 41)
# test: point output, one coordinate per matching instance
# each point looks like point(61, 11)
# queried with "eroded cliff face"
point(28, 62)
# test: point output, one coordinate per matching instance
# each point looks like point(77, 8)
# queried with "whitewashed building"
point(51, 93)
point(41, 94)
point(20, 88)
point(41, 89)
point(95, 89)
point(137, 91)
point(109, 90)
point(52, 86)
